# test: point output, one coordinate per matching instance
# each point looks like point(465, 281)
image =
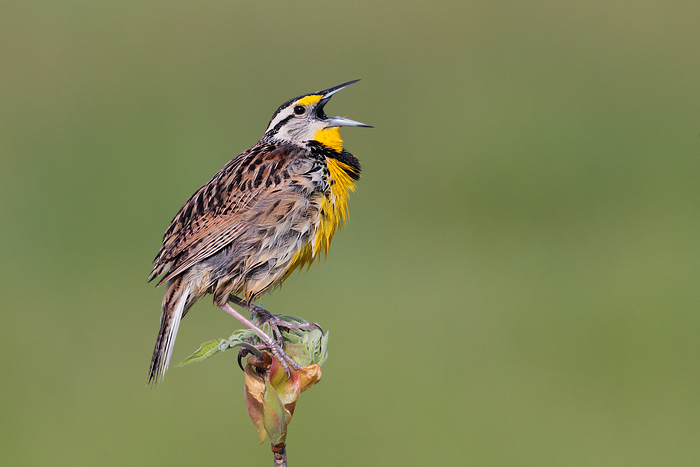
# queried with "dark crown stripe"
point(287, 104)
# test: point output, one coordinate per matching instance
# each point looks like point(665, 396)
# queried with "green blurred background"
point(518, 282)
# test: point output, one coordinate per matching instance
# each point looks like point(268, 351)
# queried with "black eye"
point(299, 109)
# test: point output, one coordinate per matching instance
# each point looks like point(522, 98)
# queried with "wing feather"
point(210, 219)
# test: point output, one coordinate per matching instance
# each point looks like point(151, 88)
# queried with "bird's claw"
point(265, 317)
point(285, 360)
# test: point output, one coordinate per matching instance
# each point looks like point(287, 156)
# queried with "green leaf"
point(303, 345)
point(323, 348)
point(299, 353)
point(204, 351)
point(274, 415)
point(238, 337)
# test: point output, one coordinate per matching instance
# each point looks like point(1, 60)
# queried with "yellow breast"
point(334, 207)
point(334, 210)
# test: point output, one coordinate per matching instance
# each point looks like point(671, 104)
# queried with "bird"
point(269, 211)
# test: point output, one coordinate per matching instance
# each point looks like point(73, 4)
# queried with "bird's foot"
point(275, 323)
point(267, 342)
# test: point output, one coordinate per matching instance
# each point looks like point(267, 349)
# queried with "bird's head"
point(302, 119)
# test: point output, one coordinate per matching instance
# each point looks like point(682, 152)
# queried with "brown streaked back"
point(210, 219)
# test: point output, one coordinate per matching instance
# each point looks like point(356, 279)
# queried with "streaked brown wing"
point(209, 220)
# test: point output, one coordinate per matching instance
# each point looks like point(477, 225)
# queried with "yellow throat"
point(330, 138)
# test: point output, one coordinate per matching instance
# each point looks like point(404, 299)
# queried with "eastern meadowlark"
point(269, 211)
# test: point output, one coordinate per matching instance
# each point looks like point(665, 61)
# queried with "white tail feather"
point(172, 332)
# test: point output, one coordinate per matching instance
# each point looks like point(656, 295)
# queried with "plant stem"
point(280, 453)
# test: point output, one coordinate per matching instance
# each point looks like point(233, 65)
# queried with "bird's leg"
point(284, 359)
point(275, 323)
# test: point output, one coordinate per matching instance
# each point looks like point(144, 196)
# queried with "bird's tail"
point(173, 309)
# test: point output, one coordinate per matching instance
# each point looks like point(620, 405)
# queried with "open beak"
point(336, 121)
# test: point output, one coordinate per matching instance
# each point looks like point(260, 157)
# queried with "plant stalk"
point(280, 452)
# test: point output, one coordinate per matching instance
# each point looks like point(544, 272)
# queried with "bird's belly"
point(273, 243)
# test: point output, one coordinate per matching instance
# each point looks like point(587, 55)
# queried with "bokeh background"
point(518, 282)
